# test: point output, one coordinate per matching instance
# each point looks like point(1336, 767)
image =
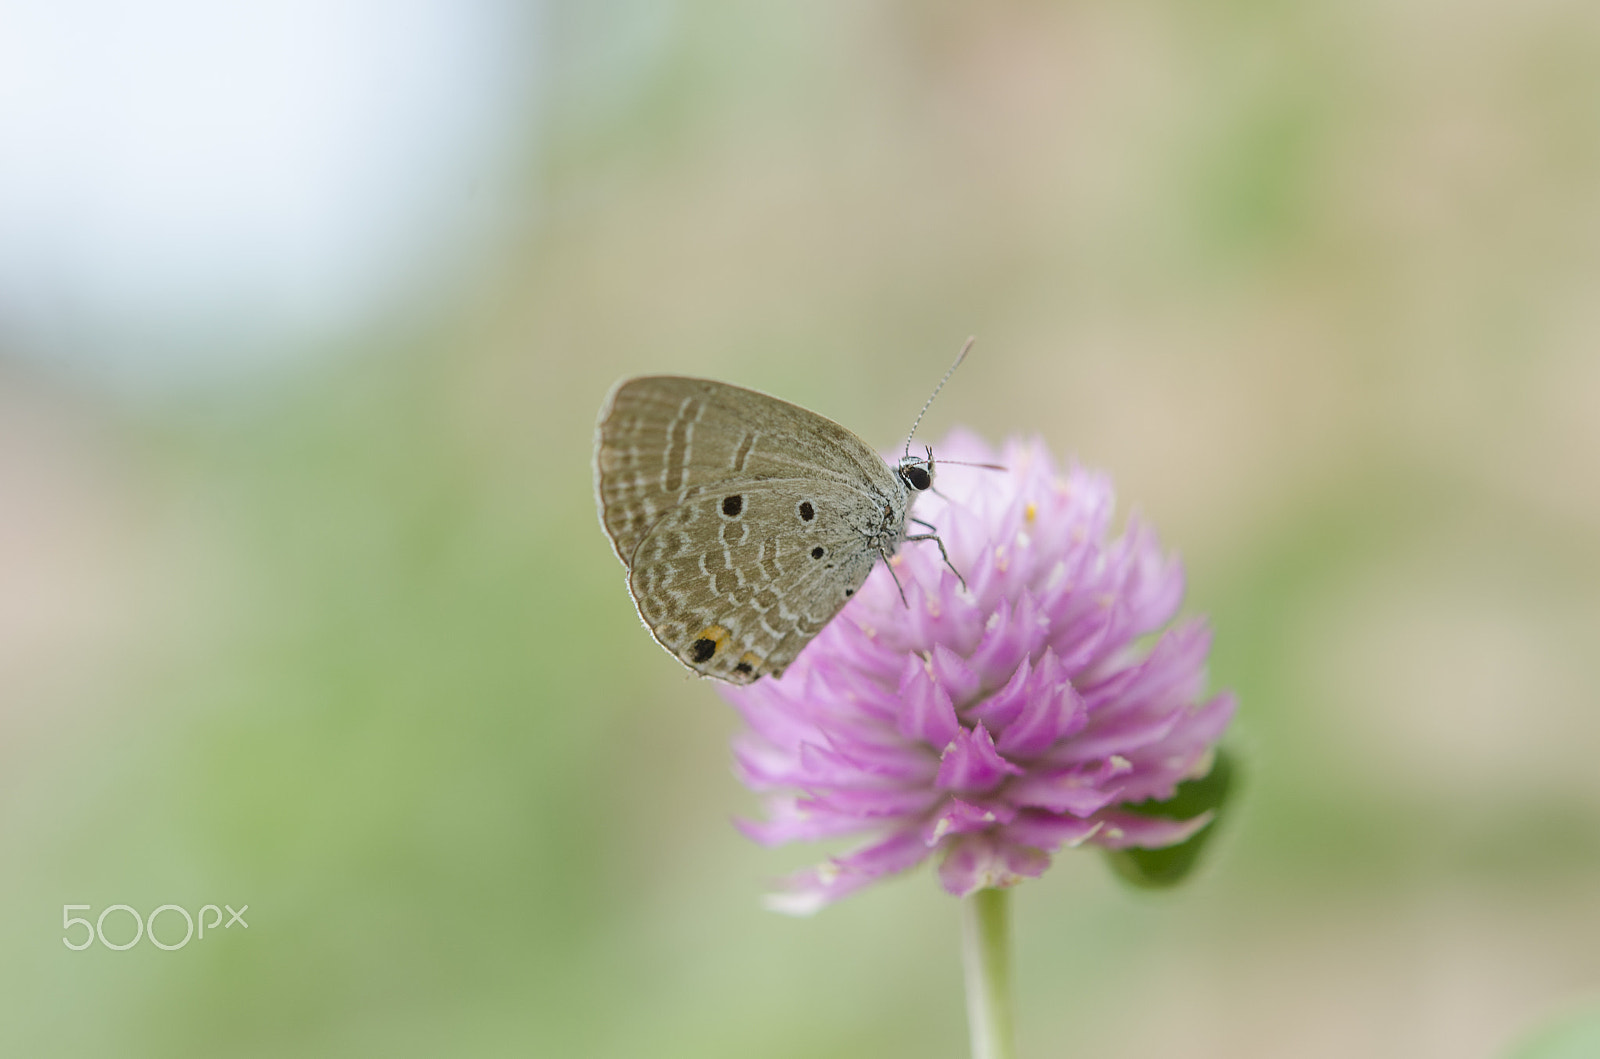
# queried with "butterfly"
point(745, 522)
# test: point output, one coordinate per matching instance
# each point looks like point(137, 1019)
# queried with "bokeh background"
point(306, 310)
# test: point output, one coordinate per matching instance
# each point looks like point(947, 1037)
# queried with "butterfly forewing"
point(746, 522)
point(664, 438)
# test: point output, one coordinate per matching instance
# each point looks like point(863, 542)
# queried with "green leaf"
point(1161, 868)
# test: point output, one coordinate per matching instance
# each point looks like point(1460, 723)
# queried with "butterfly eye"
point(917, 477)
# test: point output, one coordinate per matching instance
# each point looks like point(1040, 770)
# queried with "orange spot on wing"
point(716, 634)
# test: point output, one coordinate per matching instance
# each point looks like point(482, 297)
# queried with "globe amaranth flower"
point(990, 724)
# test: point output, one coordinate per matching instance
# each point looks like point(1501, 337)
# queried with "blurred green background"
point(303, 603)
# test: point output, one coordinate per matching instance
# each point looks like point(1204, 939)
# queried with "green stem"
point(986, 952)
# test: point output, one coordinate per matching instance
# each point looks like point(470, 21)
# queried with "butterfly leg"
point(897, 584)
point(934, 537)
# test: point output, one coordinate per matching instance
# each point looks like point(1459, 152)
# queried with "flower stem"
point(986, 952)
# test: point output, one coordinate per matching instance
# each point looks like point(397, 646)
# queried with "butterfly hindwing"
point(735, 584)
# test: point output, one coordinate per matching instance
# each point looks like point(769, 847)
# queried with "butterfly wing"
point(738, 596)
point(746, 522)
point(663, 439)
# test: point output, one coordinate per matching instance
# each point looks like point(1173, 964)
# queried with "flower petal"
point(1075, 791)
point(1014, 632)
point(871, 806)
point(1124, 829)
point(1049, 831)
point(954, 675)
point(805, 892)
point(958, 817)
point(1005, 705)
point(1052, 710)
point(971, 763)
point(976, 862)
point(926, 712)
point(788, 821)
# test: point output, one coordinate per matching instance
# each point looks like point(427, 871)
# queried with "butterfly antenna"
point(918, 421)
point(963, 463)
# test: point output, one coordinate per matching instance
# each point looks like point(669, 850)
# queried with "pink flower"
point(989, 725)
